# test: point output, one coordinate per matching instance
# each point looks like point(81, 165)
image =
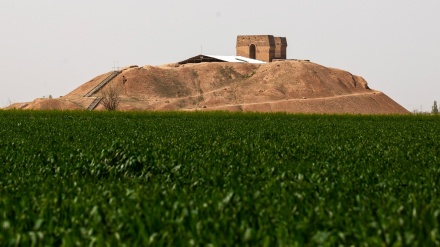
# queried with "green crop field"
point(218, 179)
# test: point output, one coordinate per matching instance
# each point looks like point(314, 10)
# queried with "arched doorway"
point(252, 52)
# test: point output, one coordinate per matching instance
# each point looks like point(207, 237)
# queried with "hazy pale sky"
point(50, 47)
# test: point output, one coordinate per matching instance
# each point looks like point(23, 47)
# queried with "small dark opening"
point(252, 53)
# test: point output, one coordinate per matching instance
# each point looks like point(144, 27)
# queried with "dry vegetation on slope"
point(288, 86)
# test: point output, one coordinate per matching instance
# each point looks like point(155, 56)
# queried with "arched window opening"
point(252, 52)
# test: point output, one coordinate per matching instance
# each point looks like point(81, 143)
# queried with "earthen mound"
point(284, 86)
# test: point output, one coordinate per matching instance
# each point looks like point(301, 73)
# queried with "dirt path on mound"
point(303, 99)
point(231, 87)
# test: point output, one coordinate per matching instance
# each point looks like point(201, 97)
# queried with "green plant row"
point(218, 179)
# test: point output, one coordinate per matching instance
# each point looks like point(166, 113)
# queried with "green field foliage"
point(218, 179)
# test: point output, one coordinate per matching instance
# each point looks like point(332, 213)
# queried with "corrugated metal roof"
point(236, 59)
point(214, 58)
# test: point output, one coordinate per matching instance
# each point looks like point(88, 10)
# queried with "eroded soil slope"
point(287, 86)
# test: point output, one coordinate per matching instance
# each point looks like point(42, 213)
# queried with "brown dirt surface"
point(283, 86)
point(53, 104)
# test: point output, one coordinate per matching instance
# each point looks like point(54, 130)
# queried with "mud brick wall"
point(261, 47)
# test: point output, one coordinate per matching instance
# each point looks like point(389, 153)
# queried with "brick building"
point(261, 47)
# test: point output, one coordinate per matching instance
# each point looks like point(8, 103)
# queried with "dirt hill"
point(286, 86)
